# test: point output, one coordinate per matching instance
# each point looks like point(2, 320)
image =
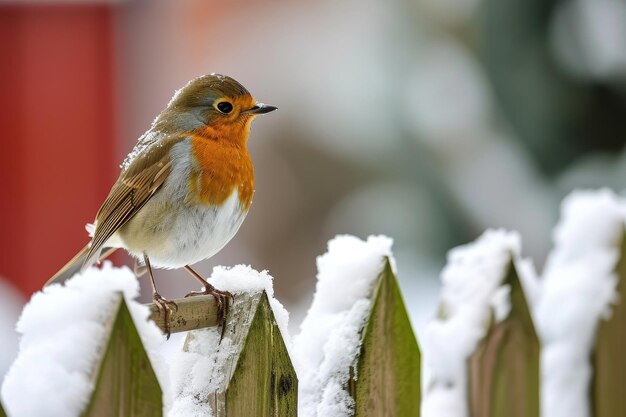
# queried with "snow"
point(329, 337)
point(62, 329)
point(578, 288)
point(59, 348)
point(149, 138)
point(472, 296)
point(244, 279)
point(195, 373)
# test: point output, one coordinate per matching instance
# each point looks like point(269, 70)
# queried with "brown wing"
point(134, 188)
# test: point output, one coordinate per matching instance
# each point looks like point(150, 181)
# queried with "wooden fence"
point(503, 372)
point(388, 366)
point(259, 377)
point(608, 391)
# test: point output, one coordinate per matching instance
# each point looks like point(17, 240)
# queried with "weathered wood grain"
point(609, 382)
point(125, 383)
point(503, 372)
point(386, 380)
point(193, 313)
point(259, 377)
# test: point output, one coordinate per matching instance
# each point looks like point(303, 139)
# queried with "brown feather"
point(74, 265)
point(133, 189)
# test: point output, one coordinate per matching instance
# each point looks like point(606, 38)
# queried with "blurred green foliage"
point(558, 117)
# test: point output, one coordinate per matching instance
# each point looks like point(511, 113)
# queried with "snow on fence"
point(504, 342)
point(251, 373)
point(356, 353)
point(580, 311)
point(509, 343)
point(87, 349)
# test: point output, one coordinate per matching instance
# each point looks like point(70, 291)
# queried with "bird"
point(183, 191)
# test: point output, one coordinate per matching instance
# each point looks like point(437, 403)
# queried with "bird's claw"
point(222, 301)
point(165, 308)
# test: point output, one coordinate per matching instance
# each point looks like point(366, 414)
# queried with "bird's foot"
point(165, 308)
point(222, 300)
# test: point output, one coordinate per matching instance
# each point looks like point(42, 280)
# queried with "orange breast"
point(224, 167)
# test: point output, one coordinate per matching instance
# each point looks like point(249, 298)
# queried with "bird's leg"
point(221, 297)
point(164, 306)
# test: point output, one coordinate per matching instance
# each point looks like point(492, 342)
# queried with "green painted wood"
point(125, 383)
point(386, 381)
point(503, 372)
point(260, 380)
point(609, 384)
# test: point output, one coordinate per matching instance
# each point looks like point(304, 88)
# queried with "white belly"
point(183, 236)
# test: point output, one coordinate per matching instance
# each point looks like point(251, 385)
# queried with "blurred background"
point(426, 120)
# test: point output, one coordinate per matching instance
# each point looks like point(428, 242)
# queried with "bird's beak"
point(260, 108)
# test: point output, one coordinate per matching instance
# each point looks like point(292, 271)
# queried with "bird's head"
point(212, 105)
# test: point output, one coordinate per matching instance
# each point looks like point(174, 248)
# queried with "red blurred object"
point(57, 119)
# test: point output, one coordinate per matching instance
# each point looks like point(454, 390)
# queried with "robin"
point(185, 188)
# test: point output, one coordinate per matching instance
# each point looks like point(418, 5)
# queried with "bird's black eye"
point(224, 107)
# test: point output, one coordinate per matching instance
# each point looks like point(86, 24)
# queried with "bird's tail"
point(76, 264)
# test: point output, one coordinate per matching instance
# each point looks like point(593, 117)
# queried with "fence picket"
point(386, 380)
point(259, 377)
point(125, 383)
point(608, 394)
point(503, 372)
